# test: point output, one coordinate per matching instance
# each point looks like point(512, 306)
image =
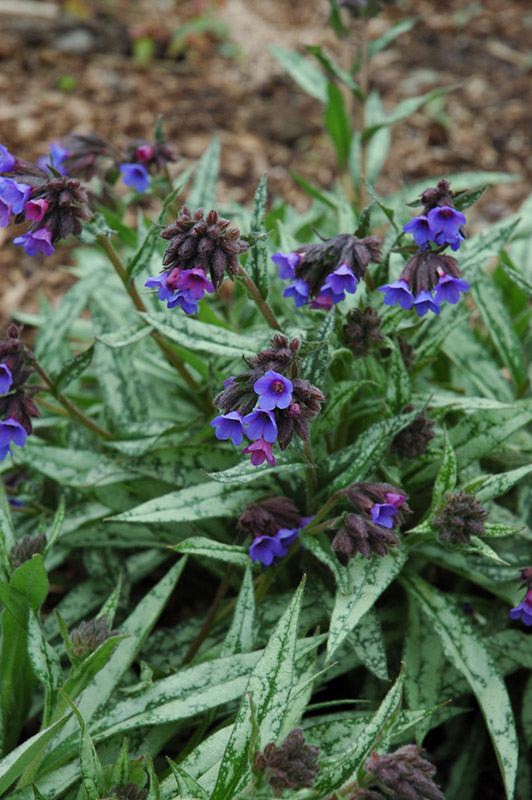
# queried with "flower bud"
point(405, 774)
point(292, 765)
point(413, 440)
point(25, 548)
point(88, 636)
point(460, 518)
point(362, 331)
point(267, 516)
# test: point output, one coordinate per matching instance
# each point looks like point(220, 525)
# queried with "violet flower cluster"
point(143, 158)
point(264, 405)
point(54, 205)
point(274, 524)
point(430, 278)
point(16, 403)
point(523, 610)
point(322, 273)
point(379, 510)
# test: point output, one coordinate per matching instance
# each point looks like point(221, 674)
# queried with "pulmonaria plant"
point(17, 406)
point(430, 278)
point(200, 247)
point(322, 273)
point(264, 405)
point(379, 510)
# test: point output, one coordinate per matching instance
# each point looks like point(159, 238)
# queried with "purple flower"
point(326, 299)
point(420, 229)
point(229, 426)
point(35, 242)
point(384, 514)
point(194, 282)
point(35, 210)
point(265, 549)
point(14, 194)
point(286, 263)
point(260, 451)
point(261, 425)
point(395, 499)
point(341, 280)
point(184, 302)
point(424, 302)
point(136, 176)
point(56, 158)
point(167, 284)
point(397, 293)
point(449, 288)
point(523, 611)
point(287, 536)
point(300, 291)
point(7, 161)
point(445, 223)
point(6, 379)
point(5, 213)
point(274, 391)
point(11, 432)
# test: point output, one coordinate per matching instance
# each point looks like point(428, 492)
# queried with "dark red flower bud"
point(459, 518)
point(292, 765)
point(268, 516)
point(413, 440)
point(362, 331)
point(405, 774)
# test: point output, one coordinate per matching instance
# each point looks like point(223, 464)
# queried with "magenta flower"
point(395, 499)
point(423, 303)
point(398, 293)
point(167, 285)
point(35, 210)
point(6, 379)
point(274, 391)
point(229, 426)
point(194, 282)
point(449, 288)
point(300, 291)
point(36, 242)
point(261, 425)
point(145, 152)
point(260, 451)
point(7, 161)
point(136, 176)
point(420, 229)
point(523, 611)
point(11, 432)
point(265, 549)
point(286, 263)
point(14, 194)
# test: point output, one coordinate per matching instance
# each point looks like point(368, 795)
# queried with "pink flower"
point(260, 451)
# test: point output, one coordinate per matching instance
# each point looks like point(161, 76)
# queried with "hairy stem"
point(259, 300)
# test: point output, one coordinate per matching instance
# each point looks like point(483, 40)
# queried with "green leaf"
point(398, 390)
point(45, 663)
point(203, 192)
point(466, 199)
point(447, 475)
point(266, 700)
point(335, 70)
point(350, 763)
point(316, 361)
point(337, 123)
point(369, 646)
point(124, 336)
point(142, 257)
point(203, 501)
point(186, 785)
point(368, 579)
point(467, 652)
point(303, 71)
point(241, 633)
point(514, 273)
point(405, 109)
point(21, 758)
point(75, 367)
point(209, 548)
point(258, 255)
point(391, 34)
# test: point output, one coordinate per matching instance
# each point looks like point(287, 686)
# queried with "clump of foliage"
point(259, 539)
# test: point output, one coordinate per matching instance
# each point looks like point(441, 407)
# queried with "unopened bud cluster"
point(429, 277)
point(88, 636)
point(414, 439)
point(291, 765)
point(404, 774)
point(322, 273)
point(459, 518)
point(25, 548)
point(16, 402)
point(266, 406)
point(370, 529)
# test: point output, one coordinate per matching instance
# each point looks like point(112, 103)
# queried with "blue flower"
point(449, 288)
point(56, 158)
point(7, 161)
point(423, 303)
point(300, 291)
point(260, 424)
point(287, 536)
point(36, 242)
point(420, 229)
point(286, 263)
point(384, 514)
point(14, 194)
point(229, 426)
point(397, 293)
point(136, 176)
point(274, 391)
point(445, 223)
point(265, 549)
point(181, 288)
point(6, 379)
point(341, 280)
point(523, 611)
point(5, 213)
point(11, 432)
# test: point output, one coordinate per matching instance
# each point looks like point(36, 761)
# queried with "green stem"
point(210, 618)
point(72, 410)
point(130, 288)
point(259, 300)
point(312, 480)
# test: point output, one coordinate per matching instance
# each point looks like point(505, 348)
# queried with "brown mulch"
point(82, 73)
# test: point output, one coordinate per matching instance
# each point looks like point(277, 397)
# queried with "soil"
point(112, 67)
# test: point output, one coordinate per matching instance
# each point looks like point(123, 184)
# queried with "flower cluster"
point(181, 287)
point(26, 547)
point(54, 205)
point(406, 773)
point(523, 610)
point(54, 162)
point(265, 405)
point(16, 403)
point(430, 278)
point(459, 518)
point(291, 765)
point(274, 523)
point(141, 158)
point(414, 439)
point(379, 509)
point(88, 636)
point(322, 273)
point(362, 331)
